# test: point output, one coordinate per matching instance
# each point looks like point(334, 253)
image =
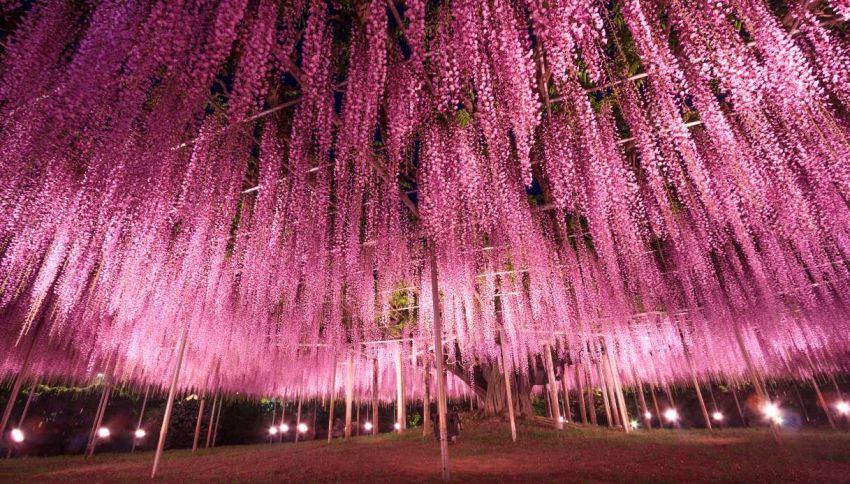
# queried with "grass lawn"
point(484, 453)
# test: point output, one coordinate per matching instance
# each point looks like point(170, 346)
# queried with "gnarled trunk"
point(489, 385)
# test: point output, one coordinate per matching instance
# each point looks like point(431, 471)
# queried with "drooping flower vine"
point(664, 184)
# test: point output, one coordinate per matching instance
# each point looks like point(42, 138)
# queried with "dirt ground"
point(483, 453)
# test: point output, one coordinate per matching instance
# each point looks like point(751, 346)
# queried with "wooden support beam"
point(619, 397)
point(553, 388)
point(507, 370)
point(442, 409)
point(566, 388)
point(580, 390)
point(591, 401)
point(606, 398)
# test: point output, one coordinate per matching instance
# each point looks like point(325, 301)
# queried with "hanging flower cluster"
point(664, 185)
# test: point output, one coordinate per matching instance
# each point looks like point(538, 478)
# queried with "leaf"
point(462, 117)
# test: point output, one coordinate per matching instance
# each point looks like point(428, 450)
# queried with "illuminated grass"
point(484, 452)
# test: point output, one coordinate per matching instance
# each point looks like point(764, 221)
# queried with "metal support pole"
point(643, 408)
point(298, 421)
point(217, 421)
point(822, 401)
point(375, 396)
point(699, 394)
point(141, 415)
point(655, 405)
point(401, 410)
point(24, 413)
point(169, 406)
point(282, 420)
point(738, 404)
point(212, 417)
point(332, 398)
point(199, 420)
point(349, 394)
point(98, 419)
point(426, 403)
point(19, 379)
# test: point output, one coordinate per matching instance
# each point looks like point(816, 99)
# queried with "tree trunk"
point(489, 387)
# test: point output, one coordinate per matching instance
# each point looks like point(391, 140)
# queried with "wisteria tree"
point(655, 188)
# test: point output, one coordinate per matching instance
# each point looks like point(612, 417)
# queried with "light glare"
point(648, 415)
point(397, 426)
point(717, 416)
point(140, 433)
point(367, 426)
point(103, 432)
point(284, 428)
point(273, 430)
point(17, 435)
point(843, 408)
point(671, 414)
point(302, 427)
point(771, 411)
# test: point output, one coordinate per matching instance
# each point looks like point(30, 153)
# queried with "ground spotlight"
point(647, 415)
point(717, 416)
point(635, 424)
point(367, 426)
point(103, 433)
point(561, 419)
point(284, 428)
point(397, 426)
point(302, 427)
point(671, 414)
point(771, 411)
point(17, 435)
point(843, 407)
point(273, 430)
point(140, 433)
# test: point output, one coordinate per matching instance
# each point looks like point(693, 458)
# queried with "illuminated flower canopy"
point(667, 182)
